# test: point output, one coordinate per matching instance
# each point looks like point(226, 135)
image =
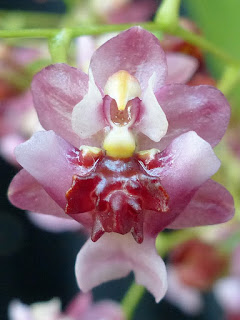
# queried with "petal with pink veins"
point(203, 109)
point(211, 204)
point(182, 167)
point(88, 115)
point(45, 157)
point(136, 51)
point(26, 193)
point(56, 90)
point(52, 170)
point(113, 256)
point(181, 67)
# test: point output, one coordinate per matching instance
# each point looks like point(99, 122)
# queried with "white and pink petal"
point(181, 67)
point(136, 51)
point(184, 166)
point(113, 256)
point(56, 90)
point(202, 109)
point(211, 204)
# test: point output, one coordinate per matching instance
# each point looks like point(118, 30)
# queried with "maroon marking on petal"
point(79, 195)
point(84, 159)
point(117, 192)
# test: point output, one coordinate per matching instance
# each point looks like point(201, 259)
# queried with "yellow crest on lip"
point(119, 143)
point(122, 87)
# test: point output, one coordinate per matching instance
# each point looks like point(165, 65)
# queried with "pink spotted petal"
point(181, 67)
point(185, 165)
point(54, 224)
point(88, 115)
point(26, 193)
point(113, 256)
point(136, 51)
point(153, 121)
point(211, 204)
point(203, 109)
point(56, 90)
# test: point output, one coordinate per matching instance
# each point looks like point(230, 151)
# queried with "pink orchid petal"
point(186, 298)
point(136, 51)
point(56, 90)
point(227, 293)
point(54, 224)
point(181, 67)
point(113, 256)
point(19, 311)
point(51, 169)
point(86, 46)
point(153, 122)
point(235, 263)
point(7, 145)
point(44, 156)
point(106, 310)
point(203, 109)
point(134, 11)
point(186, 164)
point(79, 306)
point(83, 308)
point(87, 115)
point(27, 194)
point(211, 204)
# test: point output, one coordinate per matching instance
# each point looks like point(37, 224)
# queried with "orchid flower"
point(18, 118)
point(124, 155)
point(192, 269)
point(81, 308)
point(227, 289)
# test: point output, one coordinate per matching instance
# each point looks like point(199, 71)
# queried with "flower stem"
point(229, 79)
point(59, 44)
point(132, 299)
point(167, 14)
point(205, 45)
point(100, 29)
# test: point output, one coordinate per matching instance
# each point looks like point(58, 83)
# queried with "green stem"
point(100, 29)
point(205, 45)
point(132, 299)
point(22, 19)
point(229, 79)
point(168, 14)
point(59, 44)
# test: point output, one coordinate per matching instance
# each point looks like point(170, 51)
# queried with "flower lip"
point(117, 192)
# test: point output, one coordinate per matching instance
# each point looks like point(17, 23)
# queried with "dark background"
point(36, 265)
